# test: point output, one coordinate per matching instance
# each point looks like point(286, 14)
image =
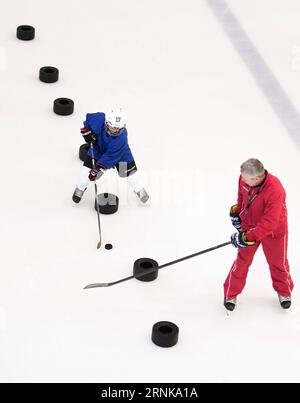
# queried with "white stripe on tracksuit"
point(230, 275)
point(284, 264)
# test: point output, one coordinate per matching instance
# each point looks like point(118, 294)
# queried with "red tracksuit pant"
point(275, 250)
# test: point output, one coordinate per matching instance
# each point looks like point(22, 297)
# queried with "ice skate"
point(285, 302)
point(143, 197)
point(77, 196)
point(229, 304)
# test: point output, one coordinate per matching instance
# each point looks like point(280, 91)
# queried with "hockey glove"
point(97, 172)
point(88, 135)
point(239, 240)
point(235, 218)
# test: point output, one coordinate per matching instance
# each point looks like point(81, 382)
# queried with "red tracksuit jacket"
point(267, 214)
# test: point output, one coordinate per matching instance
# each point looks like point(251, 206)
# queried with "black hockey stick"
point(95, 285)
point(96, 197)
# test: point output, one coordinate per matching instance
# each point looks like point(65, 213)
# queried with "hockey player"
point(260, 217)
point(108, 135)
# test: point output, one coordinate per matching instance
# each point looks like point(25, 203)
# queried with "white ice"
point(195, 112)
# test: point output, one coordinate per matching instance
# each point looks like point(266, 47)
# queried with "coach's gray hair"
point(253, 167)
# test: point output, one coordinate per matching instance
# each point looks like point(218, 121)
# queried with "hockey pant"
point(125, 170)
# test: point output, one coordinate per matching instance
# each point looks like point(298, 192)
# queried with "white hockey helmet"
point(115, 121)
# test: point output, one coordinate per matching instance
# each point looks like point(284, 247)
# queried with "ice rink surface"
point(197, 107)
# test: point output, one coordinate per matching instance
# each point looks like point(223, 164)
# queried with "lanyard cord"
point(250, 199)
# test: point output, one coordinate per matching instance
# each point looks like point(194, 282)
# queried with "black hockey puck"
point(144, 269)
point(108, 203)
point(63, 106)
point(83, 150)
point(165, 334)
point(25, 32)
point(48, 74)
point(108, 246)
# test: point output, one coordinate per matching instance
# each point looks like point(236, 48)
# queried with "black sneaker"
point(230, 303)
point(77, 195)
point(285, 302)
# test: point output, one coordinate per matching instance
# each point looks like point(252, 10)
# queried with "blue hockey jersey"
point(109, 150)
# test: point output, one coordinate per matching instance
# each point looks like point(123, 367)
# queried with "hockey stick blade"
point(95, 285)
